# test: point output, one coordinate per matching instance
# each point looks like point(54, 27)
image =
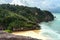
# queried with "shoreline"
point(33, 33)
point(8, 36)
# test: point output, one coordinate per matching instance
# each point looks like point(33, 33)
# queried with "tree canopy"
point(15, 16)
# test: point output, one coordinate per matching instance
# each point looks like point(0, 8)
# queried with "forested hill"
point(22, 17)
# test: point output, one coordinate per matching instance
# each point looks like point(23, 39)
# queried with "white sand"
point(34, 34)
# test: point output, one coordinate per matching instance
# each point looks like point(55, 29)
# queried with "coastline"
point(8, 36)
point(33, 33)
point(22, 18)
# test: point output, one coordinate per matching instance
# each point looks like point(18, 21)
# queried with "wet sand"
point(33, 33)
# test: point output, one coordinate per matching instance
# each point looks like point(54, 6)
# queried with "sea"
point(49, 30)
point(52, 28)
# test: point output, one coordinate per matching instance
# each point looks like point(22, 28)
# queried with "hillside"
point(15, 17)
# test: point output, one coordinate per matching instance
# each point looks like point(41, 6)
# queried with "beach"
point(33, 33)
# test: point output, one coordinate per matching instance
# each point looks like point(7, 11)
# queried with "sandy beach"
point(33, 33)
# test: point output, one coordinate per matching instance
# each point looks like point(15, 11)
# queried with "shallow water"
point(33, 33)
point(52, 29)
point(49, 31)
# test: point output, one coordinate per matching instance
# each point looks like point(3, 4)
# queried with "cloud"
point(52, 3)
point(43, 4)
point(5, 1)
point(17, 2)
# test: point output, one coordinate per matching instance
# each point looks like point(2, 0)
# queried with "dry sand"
point(33, 33)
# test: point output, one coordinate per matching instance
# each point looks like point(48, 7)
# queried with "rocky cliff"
point(13, 17)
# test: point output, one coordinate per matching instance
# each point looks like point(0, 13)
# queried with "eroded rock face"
point(48, 16)
point(8, 36)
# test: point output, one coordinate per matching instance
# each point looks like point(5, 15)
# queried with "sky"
point(52, 5)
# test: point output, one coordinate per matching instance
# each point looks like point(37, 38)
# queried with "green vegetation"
point(14, 17)
point(9, 31)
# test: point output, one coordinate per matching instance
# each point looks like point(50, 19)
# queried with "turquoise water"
point(52, 29)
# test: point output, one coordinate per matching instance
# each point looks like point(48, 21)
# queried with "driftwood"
point(8, 36)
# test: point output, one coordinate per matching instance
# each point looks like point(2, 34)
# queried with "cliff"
point(15, 17)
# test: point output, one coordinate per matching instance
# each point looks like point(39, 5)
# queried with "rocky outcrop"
point(15, 17)
point(48, 16)
point(8, 36)
point(34, 27)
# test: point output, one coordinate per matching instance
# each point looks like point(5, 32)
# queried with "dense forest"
point(15, 17)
